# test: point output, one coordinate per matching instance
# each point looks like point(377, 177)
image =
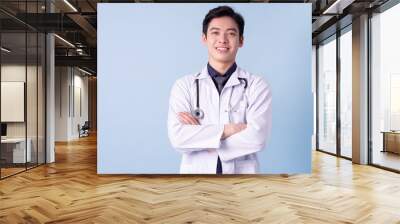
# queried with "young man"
point(221, 117)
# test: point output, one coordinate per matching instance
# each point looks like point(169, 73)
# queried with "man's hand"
point(187, 118)
point(231, 129)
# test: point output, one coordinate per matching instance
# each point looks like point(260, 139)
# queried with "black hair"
point(222, 11)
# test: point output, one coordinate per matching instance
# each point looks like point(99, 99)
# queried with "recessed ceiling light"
point(64, 40)
point(84, 71)
point(338, 6)
point(5, 50)
point(70, 5)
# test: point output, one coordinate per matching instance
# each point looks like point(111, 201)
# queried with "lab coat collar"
point(203, 74)
point(233, 80)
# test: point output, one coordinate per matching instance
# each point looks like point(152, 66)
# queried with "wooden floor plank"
point(70, 191)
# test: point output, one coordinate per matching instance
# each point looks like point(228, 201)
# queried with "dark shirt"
point(218, 79)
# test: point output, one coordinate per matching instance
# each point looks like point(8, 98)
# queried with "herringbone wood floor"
point(70, 191)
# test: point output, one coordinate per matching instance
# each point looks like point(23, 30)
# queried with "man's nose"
point(223, 38)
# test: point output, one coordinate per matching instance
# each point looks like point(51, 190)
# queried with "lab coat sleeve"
point(187, 138)
point(259, 118)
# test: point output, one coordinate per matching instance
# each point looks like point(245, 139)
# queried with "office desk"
point(13, 150)
point(391, 141)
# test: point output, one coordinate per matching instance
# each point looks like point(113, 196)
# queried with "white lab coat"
point(201, 144)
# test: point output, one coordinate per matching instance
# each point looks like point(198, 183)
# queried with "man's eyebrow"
point(232, 29)
point(214, 28)
point(229, 29)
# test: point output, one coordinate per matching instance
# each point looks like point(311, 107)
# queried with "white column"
point(50, 100)
point(360, 90)
point(50, 92)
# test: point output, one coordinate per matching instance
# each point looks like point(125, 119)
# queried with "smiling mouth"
point(222, 49)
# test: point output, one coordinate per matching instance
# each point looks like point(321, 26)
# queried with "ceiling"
point(76, 22)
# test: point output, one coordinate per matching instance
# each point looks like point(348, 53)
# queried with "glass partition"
point(13, 110)
point(22, 77)
point(32, 95)
point(41, 91)
point(327, 95)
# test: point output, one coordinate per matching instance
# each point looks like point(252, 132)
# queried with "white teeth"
point(222, 48)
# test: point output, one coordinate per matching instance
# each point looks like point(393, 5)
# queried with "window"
point(327, 95)
point(346, 92)
point(385, 88)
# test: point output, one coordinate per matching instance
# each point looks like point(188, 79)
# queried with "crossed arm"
point(230, 140)
point(229, 129)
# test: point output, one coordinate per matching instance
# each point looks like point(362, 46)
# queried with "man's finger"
point(243, 126)
point(184, 119)
point(191, 118)
point(188, 119)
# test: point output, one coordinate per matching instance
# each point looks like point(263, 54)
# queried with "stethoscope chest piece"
point(198, 113)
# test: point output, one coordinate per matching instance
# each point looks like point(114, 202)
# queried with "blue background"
point(144, 48)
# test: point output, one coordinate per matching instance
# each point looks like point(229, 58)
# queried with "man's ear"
point(241, 40)
point(203, 38)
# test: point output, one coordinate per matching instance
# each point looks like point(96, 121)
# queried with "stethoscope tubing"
point(198, 113)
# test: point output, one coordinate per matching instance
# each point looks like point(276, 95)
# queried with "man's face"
point(222, 39)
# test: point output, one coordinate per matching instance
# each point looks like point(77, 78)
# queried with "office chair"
point(84, 130)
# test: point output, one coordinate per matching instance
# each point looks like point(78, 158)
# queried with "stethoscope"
point(198, 113)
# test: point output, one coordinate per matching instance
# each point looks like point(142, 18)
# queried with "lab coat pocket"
point(246, 166)
point(239, 113)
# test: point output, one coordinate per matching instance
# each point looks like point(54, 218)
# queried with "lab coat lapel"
point(209, 96)
point(233, 80)
point(203, 74)
point(208, 81)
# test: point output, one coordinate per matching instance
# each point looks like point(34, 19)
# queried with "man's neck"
point(221, 68)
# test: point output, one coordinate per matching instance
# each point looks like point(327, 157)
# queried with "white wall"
point(80, 110)
point(70, 84)
point(62, 78)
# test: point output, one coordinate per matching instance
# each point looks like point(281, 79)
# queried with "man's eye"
point(232, 34)
point(214, 33)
